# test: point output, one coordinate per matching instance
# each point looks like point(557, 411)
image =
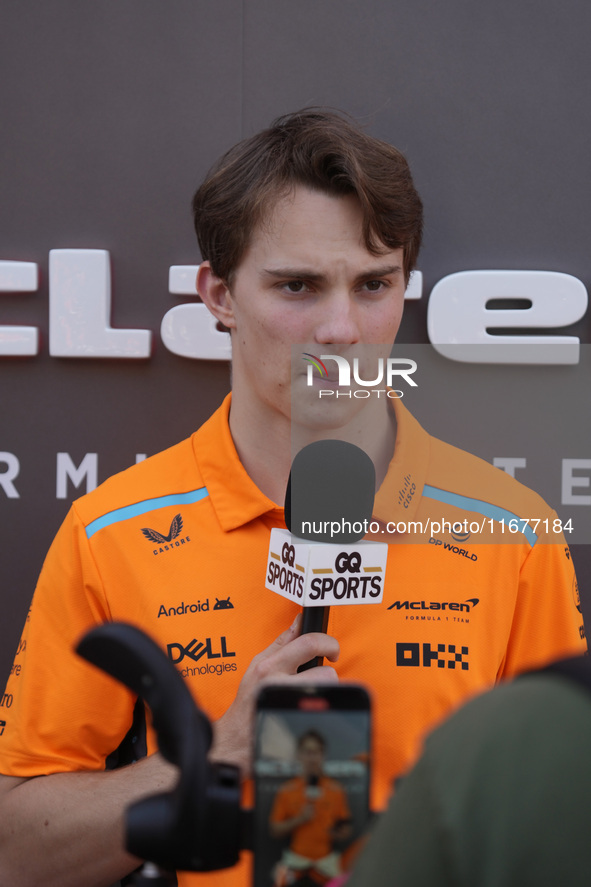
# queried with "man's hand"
point(287, 826)
point(278, 664)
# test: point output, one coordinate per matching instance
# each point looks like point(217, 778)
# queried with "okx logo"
point(337, 378)
point(416, 655)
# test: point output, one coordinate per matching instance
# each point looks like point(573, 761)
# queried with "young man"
point(308, 233)
point(312, 811)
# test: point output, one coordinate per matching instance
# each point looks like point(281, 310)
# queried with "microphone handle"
point(314, 619)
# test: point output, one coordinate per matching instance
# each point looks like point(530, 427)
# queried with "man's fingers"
point(315, 644)
point(320, 674)
point(285, 637)
point(289, 636)
point(278, 664)
point(285, 657)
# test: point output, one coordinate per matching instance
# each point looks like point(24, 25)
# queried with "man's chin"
point(325, 415)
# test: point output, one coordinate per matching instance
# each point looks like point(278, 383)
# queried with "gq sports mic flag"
point(319, 560)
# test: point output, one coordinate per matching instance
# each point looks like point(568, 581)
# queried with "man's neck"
point(264, 448)
point(267, 444)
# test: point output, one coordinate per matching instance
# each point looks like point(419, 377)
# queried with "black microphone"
point(329, 499)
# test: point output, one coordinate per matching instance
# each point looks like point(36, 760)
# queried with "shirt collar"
point(400, 492)
point(235, 498)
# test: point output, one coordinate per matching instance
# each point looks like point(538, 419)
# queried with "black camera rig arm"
point(198, 826)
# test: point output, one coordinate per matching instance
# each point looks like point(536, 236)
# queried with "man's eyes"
point(297, 287)
point(375, 286)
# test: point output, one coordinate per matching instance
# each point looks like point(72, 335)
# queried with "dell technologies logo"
point(209, 657)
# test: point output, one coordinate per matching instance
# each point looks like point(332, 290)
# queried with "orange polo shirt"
point(312, 839)
point(178, 544)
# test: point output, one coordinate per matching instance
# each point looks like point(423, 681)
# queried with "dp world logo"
point(461, 535)
point(386, 371)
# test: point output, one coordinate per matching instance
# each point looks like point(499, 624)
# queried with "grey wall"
point(112, 112)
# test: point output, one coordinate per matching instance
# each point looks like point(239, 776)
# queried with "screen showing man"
point(311, 809)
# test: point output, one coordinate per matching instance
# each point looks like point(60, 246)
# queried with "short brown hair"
point(321, 150)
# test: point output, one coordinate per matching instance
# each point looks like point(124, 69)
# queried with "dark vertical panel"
point(111, 114)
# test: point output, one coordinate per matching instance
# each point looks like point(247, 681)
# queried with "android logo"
point(223, 604)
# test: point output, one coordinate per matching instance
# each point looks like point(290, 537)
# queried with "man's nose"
point(338, 324)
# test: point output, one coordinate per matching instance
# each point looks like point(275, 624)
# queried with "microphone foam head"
point(332, 482)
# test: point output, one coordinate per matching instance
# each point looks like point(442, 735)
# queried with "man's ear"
point(214, 293)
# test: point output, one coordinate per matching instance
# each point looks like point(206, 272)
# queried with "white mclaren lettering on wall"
point(460, 313)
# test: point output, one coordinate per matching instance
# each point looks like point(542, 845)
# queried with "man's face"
point(311, 756)
point(307, 277)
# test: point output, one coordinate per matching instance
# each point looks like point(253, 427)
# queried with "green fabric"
point(500, 796)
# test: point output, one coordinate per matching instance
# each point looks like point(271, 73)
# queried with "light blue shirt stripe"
point(121, 514)
point(480, 507)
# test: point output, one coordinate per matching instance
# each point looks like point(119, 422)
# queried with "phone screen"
point(312, 764)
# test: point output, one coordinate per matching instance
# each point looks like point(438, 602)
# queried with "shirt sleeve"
point(547, 621)
point(64, 713)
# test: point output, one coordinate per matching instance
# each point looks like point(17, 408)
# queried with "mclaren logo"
point(169, 542)
point(456, 606)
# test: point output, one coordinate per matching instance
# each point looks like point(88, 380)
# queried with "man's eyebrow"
point(308, 274)
point(382, 271)
point(293, 273)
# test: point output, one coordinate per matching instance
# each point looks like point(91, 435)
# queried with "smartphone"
point(312, 771)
